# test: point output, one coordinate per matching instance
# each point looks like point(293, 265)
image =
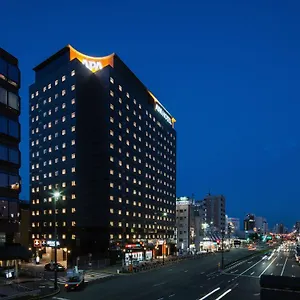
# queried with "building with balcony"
point(101, 139)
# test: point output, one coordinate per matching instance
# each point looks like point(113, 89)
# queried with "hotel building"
point(102, 139)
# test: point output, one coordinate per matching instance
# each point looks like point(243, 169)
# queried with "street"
point(190, 279)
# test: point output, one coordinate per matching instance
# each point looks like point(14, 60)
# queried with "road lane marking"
point(60, 298)
point(224, 294)
point(250, 267)
point(202, 273)
point(267, 267)
point(252, 273)
point(171, 295)
point(283, 268)
point(207, 295)
point(185, 271)
point(158, 284)
point(160, 298)
point(271, 274)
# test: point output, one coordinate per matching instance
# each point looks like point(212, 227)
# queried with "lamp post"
point(56, 197)
point(222, 263)
point(165, 241)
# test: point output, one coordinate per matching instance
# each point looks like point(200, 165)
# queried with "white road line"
point(185, 271)
point(159, 284)
point(224, 294)
point(160, 298)
point(283, 268)
point(59, 298)
point(250, 267)
point(171, 295)
point(207, 295)
point(271, 273)
point(267, 267)
point(252, 273)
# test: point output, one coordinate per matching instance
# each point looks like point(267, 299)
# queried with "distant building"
point(261, 225)
point(279, 229)
point(234, 224)
point(297, 226)
point(214, 212)
point(249, 222)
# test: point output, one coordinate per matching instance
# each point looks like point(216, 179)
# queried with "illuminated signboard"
point(92, 63)
point(51, 244)
point(159, 109)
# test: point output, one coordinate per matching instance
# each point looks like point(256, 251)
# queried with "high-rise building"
point(10, 158)
point(249, 222)
point(214, 212)
point(102, 140)
point(234, 224)
point(261, 225)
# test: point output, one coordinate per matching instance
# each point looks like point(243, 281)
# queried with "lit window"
point(37, 93)
point(127, 95)
point(56, 82)
point(73, 196)
point(73, 183)
point(111, 159)
point(63, 119)
point(63, 158)
point(120, 88)
point(111, 80)
point(111, 172)
point(73, 87)
point(73, 170)
point(56, 96)
point(111, 119)
point(111, 132)
point(120, 100)
point(73, 115)
point(73, 73)
point(73, 101)
point(63, 236)
point(111, 198)
point(73, 142)
point(32, 96)
point(111, 106)
point(63, 132)
point(111, 210)
point(111, 93)
point(63, 92)
point(73, 210)
point(73, 237)
point(73, 155)
point(73, 128)
point(73, 223)
point(49, 86)
point(63, 171)
point(63, 78)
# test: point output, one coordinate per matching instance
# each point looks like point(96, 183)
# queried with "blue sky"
point(227, 70)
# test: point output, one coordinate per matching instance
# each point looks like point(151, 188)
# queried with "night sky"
point(228, 71)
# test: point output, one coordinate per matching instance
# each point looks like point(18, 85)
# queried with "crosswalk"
point(88, 276)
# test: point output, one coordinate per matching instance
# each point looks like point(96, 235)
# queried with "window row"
point(50, 211)
point(9, 180)
point(9, 154)
point(9, 208)
point(50, 224)
point(9, 127)
point(49, 86)
point(49, 236)
point(9, 99)
point(36, 106)
point(138, 236)
point(56, 186)
point(9, 72)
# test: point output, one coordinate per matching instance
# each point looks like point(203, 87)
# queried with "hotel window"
point(73, 196)
point(63, 132)
point(73, 128)
point(73, 210)
point(73, 115)
point(111, 119)
point(73, 237)
point(56, 82)
point(73, 101)
point(73, 155)
point(111, 172)
point(111, 146)
point(63, 158)
point(63, 119)
point(73, 170)
point(111, 132)
point(73, 87)
point(120, 100)
point(120, 88)
point(111, 80)
point(73, 142)
point(56, 96)
point(73, 73)
point(73, 183)
point(63, 171)
point(111, 159)
point(111, 106)
point(49, 86)
point(127, 95)
point(111, 198)
point(63, 78)
point(111, 93)
point(63, 236)
point(111, 210)
point(73, 223)
point(63, 92)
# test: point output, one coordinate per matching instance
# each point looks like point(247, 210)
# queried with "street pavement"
point(189, 279)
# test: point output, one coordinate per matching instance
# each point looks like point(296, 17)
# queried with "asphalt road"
point(190, 279)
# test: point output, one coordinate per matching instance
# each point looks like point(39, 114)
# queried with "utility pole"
point(222, 263)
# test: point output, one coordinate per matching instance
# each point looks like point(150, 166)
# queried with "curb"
point(49, 295)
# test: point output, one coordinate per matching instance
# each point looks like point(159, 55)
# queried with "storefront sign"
point(52, 244)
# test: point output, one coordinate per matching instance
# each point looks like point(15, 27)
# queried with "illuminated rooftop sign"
point(92, 63)
point(162, 111)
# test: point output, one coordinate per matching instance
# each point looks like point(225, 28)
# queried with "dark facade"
point(107, 144)
point(10, 160)
point(249, 222)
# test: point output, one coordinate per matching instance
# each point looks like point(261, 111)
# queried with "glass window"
point(3, 67)
point(3, 153)
point(13, 179)
point(3, 179)
point(3, 95)
point(3, 124)
point(13, 129)
point(13, 100)
point(3, 208)
point(14, 156)
point(13, 73)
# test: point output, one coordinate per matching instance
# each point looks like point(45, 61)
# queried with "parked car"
point(51, 267)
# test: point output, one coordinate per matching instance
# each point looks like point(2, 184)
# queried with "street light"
point(222, 264)
point(56, 197)
point(163, 253)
